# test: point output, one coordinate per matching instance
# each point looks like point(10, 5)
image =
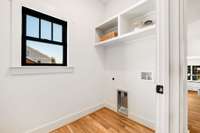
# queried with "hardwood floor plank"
point(103, 121)
point(194, 112)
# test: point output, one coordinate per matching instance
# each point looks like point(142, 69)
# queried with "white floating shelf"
point(122, 24)
point(138, 9)
point(150, 30)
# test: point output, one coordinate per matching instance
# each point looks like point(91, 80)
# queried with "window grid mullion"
point(43, 40)
point(51, 31)
point(40, 28)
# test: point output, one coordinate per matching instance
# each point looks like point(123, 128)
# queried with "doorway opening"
point(193, 64)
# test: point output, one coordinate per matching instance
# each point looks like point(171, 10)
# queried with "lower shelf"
point(129, 36)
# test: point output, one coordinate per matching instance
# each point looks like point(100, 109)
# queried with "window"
point(44, 39)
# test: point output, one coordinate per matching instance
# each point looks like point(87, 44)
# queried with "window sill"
point(29, 70)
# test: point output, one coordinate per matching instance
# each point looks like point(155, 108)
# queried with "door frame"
point(183, 68)
point(172, 46)
point(162, 70)
point(178, 65)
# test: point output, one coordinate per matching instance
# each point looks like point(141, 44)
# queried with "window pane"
point(45, 29)
point(40, 53)
point(57, 32)
point(32, 27)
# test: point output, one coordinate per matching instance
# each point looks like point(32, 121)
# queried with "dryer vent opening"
point(122, 102)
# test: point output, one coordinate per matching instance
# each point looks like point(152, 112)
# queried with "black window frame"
point(26, 11)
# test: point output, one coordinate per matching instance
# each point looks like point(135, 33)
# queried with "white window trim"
point(15, 59)
point(30, 70)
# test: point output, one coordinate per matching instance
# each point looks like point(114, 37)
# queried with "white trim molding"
point(134, 117)
point(39, 70)
point(47, 127)
point(141, 120)
point(162, 70)
point(174, 66)
point(183, 68)
point(178, 65)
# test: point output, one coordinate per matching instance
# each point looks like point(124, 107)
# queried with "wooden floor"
point(194, 112)
point(103, 121)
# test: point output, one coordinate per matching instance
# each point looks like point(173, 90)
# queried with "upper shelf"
point(113, 22)
point(140, 8)
point(122, 26)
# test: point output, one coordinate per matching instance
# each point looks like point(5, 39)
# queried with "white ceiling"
point(104, 1)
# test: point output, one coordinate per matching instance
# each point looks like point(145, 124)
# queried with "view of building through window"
point(43, 53)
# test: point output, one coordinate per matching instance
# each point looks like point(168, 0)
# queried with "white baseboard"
point(109, 106)
point(141, 120)
point(46, 128)
point(135, 118)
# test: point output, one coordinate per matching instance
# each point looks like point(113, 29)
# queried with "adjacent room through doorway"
point(193, 64)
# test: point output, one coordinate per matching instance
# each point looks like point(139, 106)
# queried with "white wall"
point(113, 7)
point(125, 62)
point(194, 38)
point(29, 101)
point(193, 32)
point(192, 10)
